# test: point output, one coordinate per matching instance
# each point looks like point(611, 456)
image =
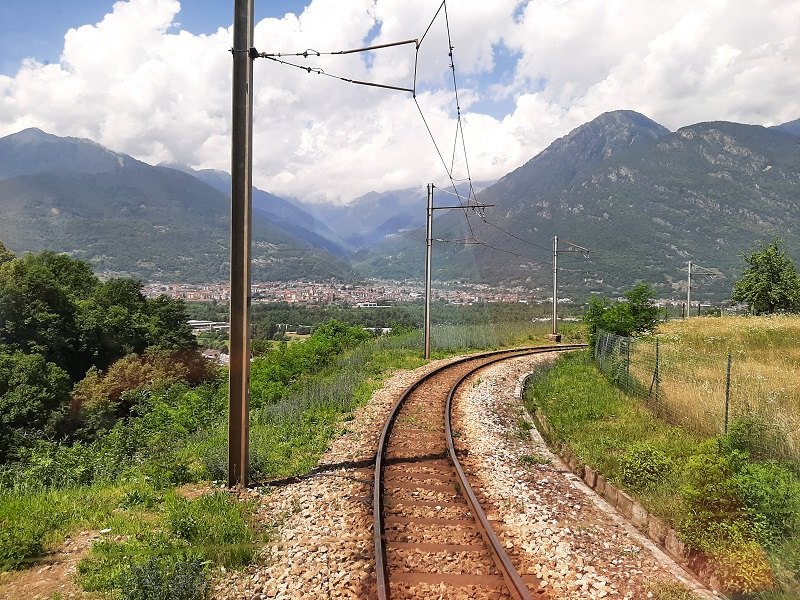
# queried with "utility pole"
point(428, 252)
point(241, 220)
point(555, 336)
point(428, 248)
point(689, 292)
point(554, 333)
point(689, 289)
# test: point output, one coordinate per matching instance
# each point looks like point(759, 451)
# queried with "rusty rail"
point(516, 586)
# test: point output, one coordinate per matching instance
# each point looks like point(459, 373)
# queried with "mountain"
point(645, 200)
point(368, 220)
point(126, 217)
point(282, 213)
point(32, 152)
point(792, 127)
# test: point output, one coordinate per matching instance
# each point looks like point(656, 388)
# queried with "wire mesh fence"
point(706, 393)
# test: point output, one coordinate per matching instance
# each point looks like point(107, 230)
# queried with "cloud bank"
point(528, 72)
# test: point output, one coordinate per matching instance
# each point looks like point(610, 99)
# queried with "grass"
point(711, 489)
point(126, 480)
point(764, 386)
point(601, 424)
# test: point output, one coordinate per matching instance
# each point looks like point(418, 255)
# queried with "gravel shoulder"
point(321, 524)
point(553, 525)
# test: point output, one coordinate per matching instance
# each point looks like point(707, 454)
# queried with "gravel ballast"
point(321, 525)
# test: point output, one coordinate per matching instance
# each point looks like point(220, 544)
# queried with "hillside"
point(643, 199)
point(129, 218)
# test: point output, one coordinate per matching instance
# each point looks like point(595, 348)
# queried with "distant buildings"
point(370, 295)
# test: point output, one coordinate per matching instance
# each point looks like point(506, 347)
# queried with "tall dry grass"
point(765, 373)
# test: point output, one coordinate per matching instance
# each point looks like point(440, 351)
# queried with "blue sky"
point(151, 78)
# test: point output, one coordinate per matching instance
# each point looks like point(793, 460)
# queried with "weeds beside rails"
point(156, 544)
point(741, 512)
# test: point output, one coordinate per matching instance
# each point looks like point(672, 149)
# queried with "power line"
point(516, 237)
point(320, 71)
point(464, 202)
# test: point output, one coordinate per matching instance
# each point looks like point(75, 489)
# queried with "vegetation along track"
point(431, 534)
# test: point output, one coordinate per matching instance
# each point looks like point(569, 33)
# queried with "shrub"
point(643, 467)
point(749, 435)
point(771, 495)
point(743, 567)
point(20, 544)
point(161, 579)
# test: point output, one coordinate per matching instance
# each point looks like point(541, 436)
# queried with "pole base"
point(554, 337)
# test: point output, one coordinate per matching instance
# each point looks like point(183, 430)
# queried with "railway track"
point(432, 538)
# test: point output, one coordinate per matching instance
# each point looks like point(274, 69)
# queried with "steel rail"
point(381, 569)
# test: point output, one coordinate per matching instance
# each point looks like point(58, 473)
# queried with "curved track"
point(431, 535)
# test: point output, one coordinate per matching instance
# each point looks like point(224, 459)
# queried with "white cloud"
point(134, 83)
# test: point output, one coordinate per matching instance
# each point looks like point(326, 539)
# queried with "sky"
point(152, 78)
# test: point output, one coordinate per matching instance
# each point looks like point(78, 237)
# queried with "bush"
point(20, 544)
point(751, 436)
point(160, 579)
point(643, 467)
point(771, 495)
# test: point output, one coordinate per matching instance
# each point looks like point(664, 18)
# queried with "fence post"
point(727, 392)
point(656, 377)
point(628, 361)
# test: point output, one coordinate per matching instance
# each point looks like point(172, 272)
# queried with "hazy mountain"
point(127, 217)
point(369, 219)
point(32, 151)
point(285, 214)
point(792, 127)
point(645, 200)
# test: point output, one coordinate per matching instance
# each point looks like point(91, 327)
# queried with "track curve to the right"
point(432, 538)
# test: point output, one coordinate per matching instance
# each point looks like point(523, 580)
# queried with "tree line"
point(63, 333)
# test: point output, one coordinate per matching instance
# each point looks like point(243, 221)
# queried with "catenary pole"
point(689, 292)
point(428, 248)
point(555, 286)
point(241, 219)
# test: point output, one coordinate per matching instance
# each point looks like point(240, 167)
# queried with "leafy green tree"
point(6, 255)
point(638, 313)
point(74, 276)
point(168, 326)
point(642, 308)
point(770, 283)
point(34, 396)
point(37, 315)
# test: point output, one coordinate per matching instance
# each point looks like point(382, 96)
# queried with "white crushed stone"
point(322, 525)
point(557, 527)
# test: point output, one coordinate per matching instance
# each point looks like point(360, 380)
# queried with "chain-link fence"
point(704, 393)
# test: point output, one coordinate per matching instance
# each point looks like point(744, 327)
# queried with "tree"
point(638, 313)
point(37, 315)
point(34, 395)
point(770, 283)
point(168, 326)
point(6, 255)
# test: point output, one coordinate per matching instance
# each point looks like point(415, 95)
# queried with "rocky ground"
point(554, 525)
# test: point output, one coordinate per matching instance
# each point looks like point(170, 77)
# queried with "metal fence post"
point(628, 361)
point(654, 383)
point(727, 392)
